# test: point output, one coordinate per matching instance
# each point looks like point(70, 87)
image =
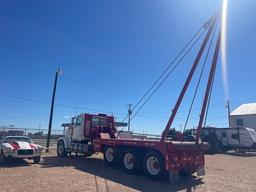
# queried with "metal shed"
point(244, 116)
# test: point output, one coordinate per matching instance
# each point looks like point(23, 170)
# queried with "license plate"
point(200, 171)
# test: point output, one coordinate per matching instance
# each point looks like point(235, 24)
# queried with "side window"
point(223, 134)
point(79, 121)
point(95, 121)
point(239, 122)
point(235, 136)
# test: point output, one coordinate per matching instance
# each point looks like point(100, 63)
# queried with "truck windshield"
point(99, 121)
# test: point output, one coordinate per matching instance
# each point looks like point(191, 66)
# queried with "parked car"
point(19, 147)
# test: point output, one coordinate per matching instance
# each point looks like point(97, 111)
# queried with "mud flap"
point(174, 177)
point(200, 171)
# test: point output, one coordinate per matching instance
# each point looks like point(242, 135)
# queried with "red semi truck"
point(90, 133)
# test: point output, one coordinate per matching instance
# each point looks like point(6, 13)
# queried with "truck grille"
point(25, 152)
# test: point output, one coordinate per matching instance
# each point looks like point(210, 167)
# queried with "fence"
point(38, 135)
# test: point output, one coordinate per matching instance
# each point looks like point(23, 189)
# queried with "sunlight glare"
point(224, 46)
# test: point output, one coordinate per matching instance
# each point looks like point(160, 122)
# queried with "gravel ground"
point(224, 172)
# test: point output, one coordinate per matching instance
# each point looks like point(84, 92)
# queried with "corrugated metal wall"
point(248, 121)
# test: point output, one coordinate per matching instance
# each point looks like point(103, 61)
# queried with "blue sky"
point(110, 53)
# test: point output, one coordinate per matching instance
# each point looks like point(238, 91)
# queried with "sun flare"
point(224, 46)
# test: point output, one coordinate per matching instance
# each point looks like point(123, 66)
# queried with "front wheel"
point(61, 151)
point(37, 159)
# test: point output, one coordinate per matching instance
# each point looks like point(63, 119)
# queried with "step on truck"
point(97, 133)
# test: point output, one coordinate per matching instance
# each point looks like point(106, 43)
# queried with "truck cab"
point(83, 129)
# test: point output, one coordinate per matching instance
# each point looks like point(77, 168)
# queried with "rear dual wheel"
point(153, 163)
point(110, 155)
point(154, 166)
point(131, 161)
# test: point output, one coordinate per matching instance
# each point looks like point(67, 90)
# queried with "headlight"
point(9, 150)
point(39, 149)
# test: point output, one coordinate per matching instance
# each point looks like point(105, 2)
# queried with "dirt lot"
point(224, 172)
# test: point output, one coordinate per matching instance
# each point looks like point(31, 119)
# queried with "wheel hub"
point(110, 154)
point(153, 165)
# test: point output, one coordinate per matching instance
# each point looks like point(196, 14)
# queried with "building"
point(244, 116)
point(11, 132)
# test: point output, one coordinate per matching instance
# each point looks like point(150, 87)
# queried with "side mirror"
point(73, 122)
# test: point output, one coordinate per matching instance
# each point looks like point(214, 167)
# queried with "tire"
point(2, 158)
point(61, 151)
point(37, 159)
point(131, 161)
point(154, 166)
point(110, 155)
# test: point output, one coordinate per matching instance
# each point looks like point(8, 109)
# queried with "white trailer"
point(224, 139)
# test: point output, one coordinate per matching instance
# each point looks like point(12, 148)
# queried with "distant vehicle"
point(19, 147)
point(240, 139)
point(11, 132)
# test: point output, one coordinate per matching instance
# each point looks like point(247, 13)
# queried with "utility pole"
point(129, 116)
point(228, 108)
point(52, 108)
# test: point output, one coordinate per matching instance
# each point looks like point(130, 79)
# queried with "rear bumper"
point(185, 156)
point(14, 154)
point(185, 162)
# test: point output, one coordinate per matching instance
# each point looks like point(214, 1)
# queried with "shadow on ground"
point(10, 163)
point(96, 167)
point(233, 153)
point(247, 154)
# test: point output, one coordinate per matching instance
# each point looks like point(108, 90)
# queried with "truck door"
point(87, 127)
point(78, 132)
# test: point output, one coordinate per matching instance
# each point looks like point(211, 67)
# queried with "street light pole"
point(52, 108)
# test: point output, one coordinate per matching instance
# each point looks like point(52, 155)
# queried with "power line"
point(24, 98)
point(167, 69)
point(35, 92)
point(75, 80)
point(87, 108)
point(168, 74)
point(57, 104)
point(205, 26)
